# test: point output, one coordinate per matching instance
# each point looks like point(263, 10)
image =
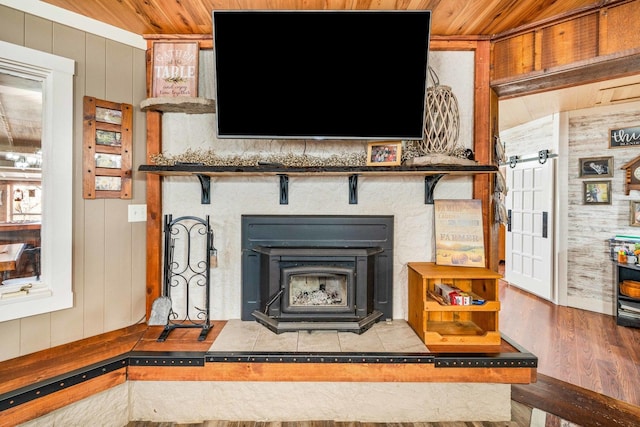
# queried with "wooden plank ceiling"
point(450, 17)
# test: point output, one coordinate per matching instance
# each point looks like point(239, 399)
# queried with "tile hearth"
point(391, 336)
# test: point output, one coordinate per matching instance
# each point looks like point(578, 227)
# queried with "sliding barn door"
point(529, 238)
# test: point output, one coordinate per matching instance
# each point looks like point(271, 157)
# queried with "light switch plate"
point(137, 213)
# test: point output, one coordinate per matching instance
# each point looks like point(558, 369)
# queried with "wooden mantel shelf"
point(182, 104)
point(191, 169)
point(431, 173)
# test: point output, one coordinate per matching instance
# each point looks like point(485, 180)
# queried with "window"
point(36, 184)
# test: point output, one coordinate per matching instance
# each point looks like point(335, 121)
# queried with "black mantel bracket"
point(430, 182)
point(205, 186)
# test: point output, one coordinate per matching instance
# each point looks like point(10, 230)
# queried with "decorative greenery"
point(210, 158)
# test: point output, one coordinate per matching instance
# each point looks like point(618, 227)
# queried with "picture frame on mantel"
point(174, 69)
point(596, 192)
point(384, 153)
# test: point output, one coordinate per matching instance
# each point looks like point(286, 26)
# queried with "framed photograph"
point(107, 115)
point(596, 192)
point(634, 217)
point(105, 137)
point(110, 161)
point(108, 183)
point(384, 153)
point(596, 167)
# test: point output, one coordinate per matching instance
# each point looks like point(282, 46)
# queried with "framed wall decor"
point(634, 213)
point(384, 153)
point(596, 192)
point(596, 167)
point(626, 137)
point(175, 69)
point(106, 149)
point(459, 232)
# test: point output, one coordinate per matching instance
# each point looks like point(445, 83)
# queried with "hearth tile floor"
point(392, 337)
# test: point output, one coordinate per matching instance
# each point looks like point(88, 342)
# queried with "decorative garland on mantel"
point(208, 157)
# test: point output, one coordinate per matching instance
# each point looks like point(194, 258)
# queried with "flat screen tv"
point(321, 74)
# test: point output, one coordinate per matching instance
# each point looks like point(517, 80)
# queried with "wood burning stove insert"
point(317, 288)
point(317, 272)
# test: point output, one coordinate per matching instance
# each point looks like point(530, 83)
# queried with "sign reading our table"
point(626, 137)
point(175, 69)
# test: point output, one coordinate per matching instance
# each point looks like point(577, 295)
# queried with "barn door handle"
point(509, 220)
point(545, 224)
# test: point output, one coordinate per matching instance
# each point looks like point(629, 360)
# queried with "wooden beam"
point(577, 73)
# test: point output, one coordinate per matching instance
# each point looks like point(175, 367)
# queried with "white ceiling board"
point(524, 109)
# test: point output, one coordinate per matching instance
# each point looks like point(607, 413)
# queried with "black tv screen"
point(321, 74)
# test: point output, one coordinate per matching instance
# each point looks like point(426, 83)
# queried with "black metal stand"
point(188, 243)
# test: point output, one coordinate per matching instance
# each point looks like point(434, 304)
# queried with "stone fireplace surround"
point(266, 239)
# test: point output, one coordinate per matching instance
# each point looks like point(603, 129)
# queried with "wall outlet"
point(137, 213)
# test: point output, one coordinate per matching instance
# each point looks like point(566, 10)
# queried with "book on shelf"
point(627, 307)
point(628, 314)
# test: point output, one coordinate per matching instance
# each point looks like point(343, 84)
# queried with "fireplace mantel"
point(431, 173)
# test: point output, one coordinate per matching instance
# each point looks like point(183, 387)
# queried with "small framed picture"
point(596, 192)
point(108, 115)
point(634, 218)
point(596, 167)
point(108, 183)
point(384, 153)
point(110, 161)
point(105, 137)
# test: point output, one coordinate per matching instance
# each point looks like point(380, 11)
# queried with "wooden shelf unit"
point(438, 324)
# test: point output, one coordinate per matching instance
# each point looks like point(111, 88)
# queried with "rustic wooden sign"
point(625, 137)
point(175, 69)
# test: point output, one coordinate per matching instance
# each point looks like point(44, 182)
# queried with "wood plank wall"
point(569, 46)
point(109, 255)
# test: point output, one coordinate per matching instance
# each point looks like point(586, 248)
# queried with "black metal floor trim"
point(170, 358)
point(328, 357)
point(43, 388)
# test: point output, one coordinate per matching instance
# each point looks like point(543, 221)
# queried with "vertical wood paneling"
point(117, 296)
point(616, 33)
point(570, 41)
point(67, 325)
point(117, 265)
point(38, 33)
point(108, 252)
point(12, 25)
point(94, 210)
point(514, 56)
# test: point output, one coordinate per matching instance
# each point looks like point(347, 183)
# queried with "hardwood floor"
point(579, 347)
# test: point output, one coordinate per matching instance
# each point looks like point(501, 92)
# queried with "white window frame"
point(56, 74)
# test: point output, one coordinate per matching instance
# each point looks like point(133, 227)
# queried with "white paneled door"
point(529, 238)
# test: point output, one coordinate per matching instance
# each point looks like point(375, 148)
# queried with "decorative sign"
point(175, 69)
point(459, 233)
point(626, 137)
